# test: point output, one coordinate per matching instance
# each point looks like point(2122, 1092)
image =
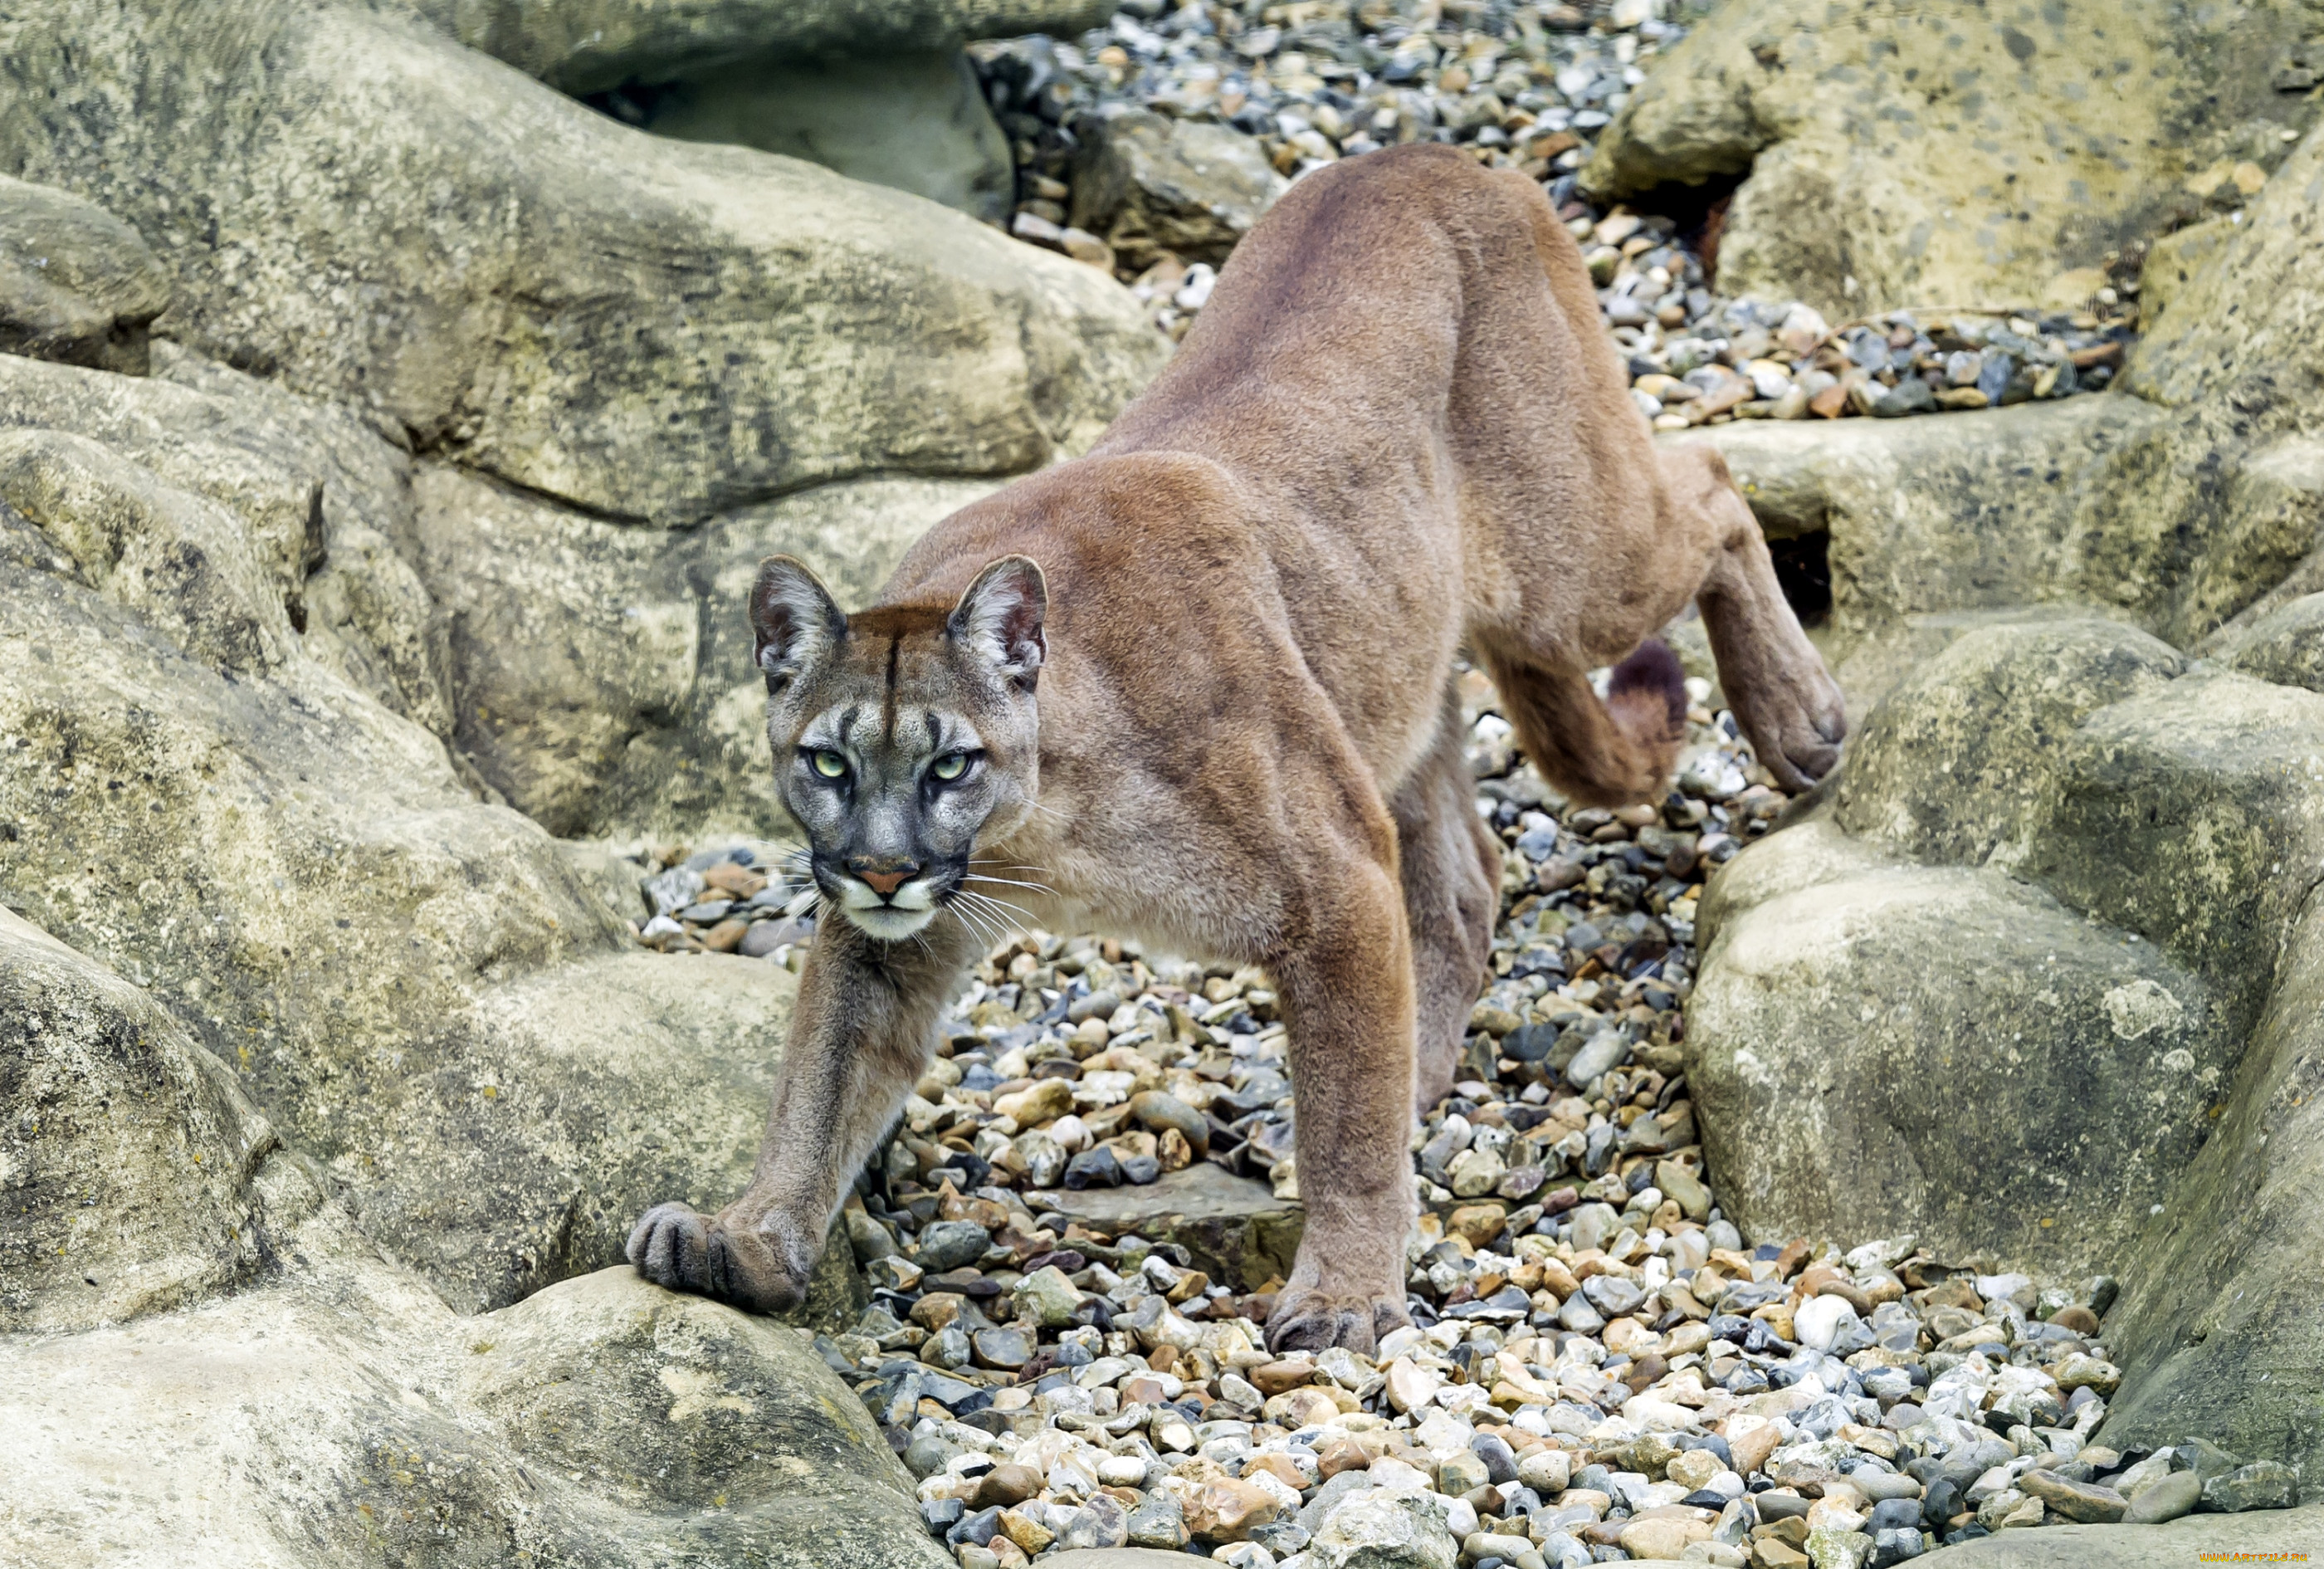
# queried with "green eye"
point(950, 766)
point(830, 764)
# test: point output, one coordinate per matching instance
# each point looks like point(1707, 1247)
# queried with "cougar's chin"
point(888, 923)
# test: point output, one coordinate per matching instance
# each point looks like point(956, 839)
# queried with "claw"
point(675, 1248)
point(1312, 1321)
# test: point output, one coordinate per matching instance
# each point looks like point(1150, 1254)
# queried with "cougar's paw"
point(675, 1247)
point(1318, 1320)
point(1799, 727)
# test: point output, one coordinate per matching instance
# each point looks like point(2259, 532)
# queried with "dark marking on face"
point(888, 703)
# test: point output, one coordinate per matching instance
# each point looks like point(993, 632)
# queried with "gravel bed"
point(1600, 1366)
point(1528, 87)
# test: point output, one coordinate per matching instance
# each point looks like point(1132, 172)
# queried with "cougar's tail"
point(1601, 755)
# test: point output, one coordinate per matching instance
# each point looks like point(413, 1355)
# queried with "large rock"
point(2104, 504)
point(418, 988)
point(2219, 1327)
point(584, 46)
point(337, 1415)
point(1952, 154)
point(645, 327)
point(2257, 1536)
point(2038, 981)
point(2285, 646)
point(1878, 1049)
point(127, 1154)
point(321, 499)
point(77, 284)
point(2190, 503)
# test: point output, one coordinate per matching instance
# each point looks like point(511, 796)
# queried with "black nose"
point(884, 874)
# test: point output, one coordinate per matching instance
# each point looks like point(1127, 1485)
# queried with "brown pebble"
point(2077, 1318)
point(1334, 1455)
point(1006, 1485)
point(1142, 1391)
point(1274, 1377)
point(725, 936)
point(1279, 1467)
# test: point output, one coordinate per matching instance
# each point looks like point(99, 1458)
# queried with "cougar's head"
point(900, 734)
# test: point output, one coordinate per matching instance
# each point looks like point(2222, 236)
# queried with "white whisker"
point(999, 909)
point(1009, 883)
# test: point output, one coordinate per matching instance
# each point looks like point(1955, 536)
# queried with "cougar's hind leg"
point(1599, 755)
point(1450, 865)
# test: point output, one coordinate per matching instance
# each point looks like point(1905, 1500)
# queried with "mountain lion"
point(1197, 689)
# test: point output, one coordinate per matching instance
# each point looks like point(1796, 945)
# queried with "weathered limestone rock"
point(2140, 1547)
point(2173, 262)
point(1147, 184)
point(2285, 646)
point(2224, 1285)
point(350, 1418)
point(2190, 507)
point(644, 328)
point(587, 46)
point(418, 989)
point(2103, 504)
point(1877, 1049)
point(321, 498)
point(77, 284)
point(1989, 715)
point(1955, 155)
point(127, 1154)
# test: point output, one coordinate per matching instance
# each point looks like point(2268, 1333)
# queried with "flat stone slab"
point(1203, 1189)
point(1234, 1228)
point(2165, 1546)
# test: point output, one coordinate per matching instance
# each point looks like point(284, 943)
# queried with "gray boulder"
point(2285, 646)
point(77, 284)
point(1935, 199)
point(351, 1418)
point(130, 1153)
point(2189, 502)
point(418, 988)
point(915, 120)
point(1146, 184)
point(644, 328)
point(1878, 1049)
point(585, 46)
point(2126, 1547)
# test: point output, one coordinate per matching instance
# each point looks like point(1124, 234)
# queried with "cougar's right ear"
point(795, 618)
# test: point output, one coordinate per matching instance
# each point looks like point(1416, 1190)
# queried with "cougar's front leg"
point(1346, 992)
point(863, 1031)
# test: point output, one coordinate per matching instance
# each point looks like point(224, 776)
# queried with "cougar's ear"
point(999, 619)
point(794, 617)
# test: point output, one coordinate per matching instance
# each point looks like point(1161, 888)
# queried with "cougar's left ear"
point(794, 618)
point(999, 619)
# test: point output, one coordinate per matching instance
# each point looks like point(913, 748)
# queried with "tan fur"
point(1397, 429)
